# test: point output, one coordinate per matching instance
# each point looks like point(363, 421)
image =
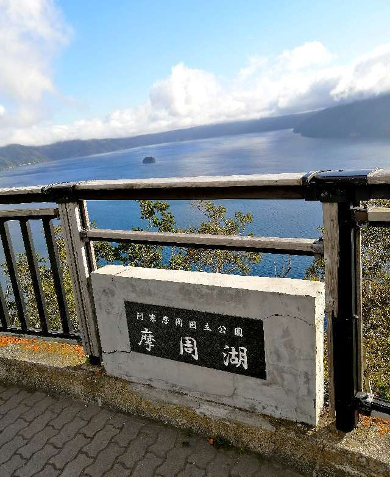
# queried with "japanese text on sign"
point(228, 343)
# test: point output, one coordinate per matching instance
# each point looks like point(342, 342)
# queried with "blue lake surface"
point(272, 152)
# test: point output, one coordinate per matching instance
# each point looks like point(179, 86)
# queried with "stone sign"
point(250, 343)
point(228, 343)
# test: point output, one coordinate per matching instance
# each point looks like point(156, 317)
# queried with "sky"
point(82, 69)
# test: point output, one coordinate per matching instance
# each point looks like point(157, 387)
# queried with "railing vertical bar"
point(13, 274)
point(86, 225)
point(345, 324)
point(55, 265)
point(77, 252)
point(4, 315)
point(359, 311)
point(331, 259)
point(35, 275)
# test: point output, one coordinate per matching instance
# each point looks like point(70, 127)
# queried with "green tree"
point(159, 217)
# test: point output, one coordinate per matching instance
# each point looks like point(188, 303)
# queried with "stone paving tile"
point(135, 451)
point(37, 462)
point(166, 440)
point(76, 466)
point(11, 431)
point(8, 449)
point(48, 471)
point(69, 452)
point(9, 393)
point(38, 409)
point(49, 437)
point(100, 441)
point(89, 411)
point(152, 429)
point(37, 442)
point(38, 424)
point(67, 415)
point(118, 420)
point(175, 461)
point(104, 461)
point(67, 432)
point(147, 466)
point(128, 432)
point(117, 471)
point(96, 423)
point(13, 402)
point(9, 467)
point(62, 403)
point(221, 465)
point(191, 471)
point(34, 398)
point(12, 415)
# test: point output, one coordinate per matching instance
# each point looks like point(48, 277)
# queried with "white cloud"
point(307, 55)
point(186, 92)
point(304, 78)
point(368, 75)
point(31, 32)
point(255, 63)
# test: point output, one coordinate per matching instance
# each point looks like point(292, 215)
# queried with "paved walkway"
point(48, 436)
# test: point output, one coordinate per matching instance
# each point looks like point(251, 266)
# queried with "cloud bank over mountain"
point(308, 77)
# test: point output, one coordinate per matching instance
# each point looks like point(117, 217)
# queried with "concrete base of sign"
point(292, 312)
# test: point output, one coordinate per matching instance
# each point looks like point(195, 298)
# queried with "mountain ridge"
point(366, 118)
point(13, 155)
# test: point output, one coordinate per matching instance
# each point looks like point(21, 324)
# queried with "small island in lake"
point(149, 160)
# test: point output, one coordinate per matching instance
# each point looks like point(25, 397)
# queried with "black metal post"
point(13, 274)
point(35, 274)
point(55, 265)
point(345, 325)
point(4, 315)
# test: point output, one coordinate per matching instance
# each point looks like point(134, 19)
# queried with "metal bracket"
point(84, 236)
point(309, 185)
point(368, 404)
point(336, 186)
point(360, 215)
point(60, 192)
point(318, 247)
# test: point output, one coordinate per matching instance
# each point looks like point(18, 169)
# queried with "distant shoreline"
point(364, 119)
point(15, 155)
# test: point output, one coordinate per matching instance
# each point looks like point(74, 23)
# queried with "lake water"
point(272, 152)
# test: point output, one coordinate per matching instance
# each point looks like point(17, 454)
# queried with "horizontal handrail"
point(28, 213)
point(278, 186)
point(372, 216)
point(378, 214)
point(294, 246)
point(257, 186)
point(258, 180)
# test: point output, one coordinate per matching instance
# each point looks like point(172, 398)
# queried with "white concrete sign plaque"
point(250, 342)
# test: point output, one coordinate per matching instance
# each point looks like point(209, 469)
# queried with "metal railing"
point(340, 192)
point(24, 217)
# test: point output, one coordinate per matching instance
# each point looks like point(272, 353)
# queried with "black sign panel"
point(227, 343)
